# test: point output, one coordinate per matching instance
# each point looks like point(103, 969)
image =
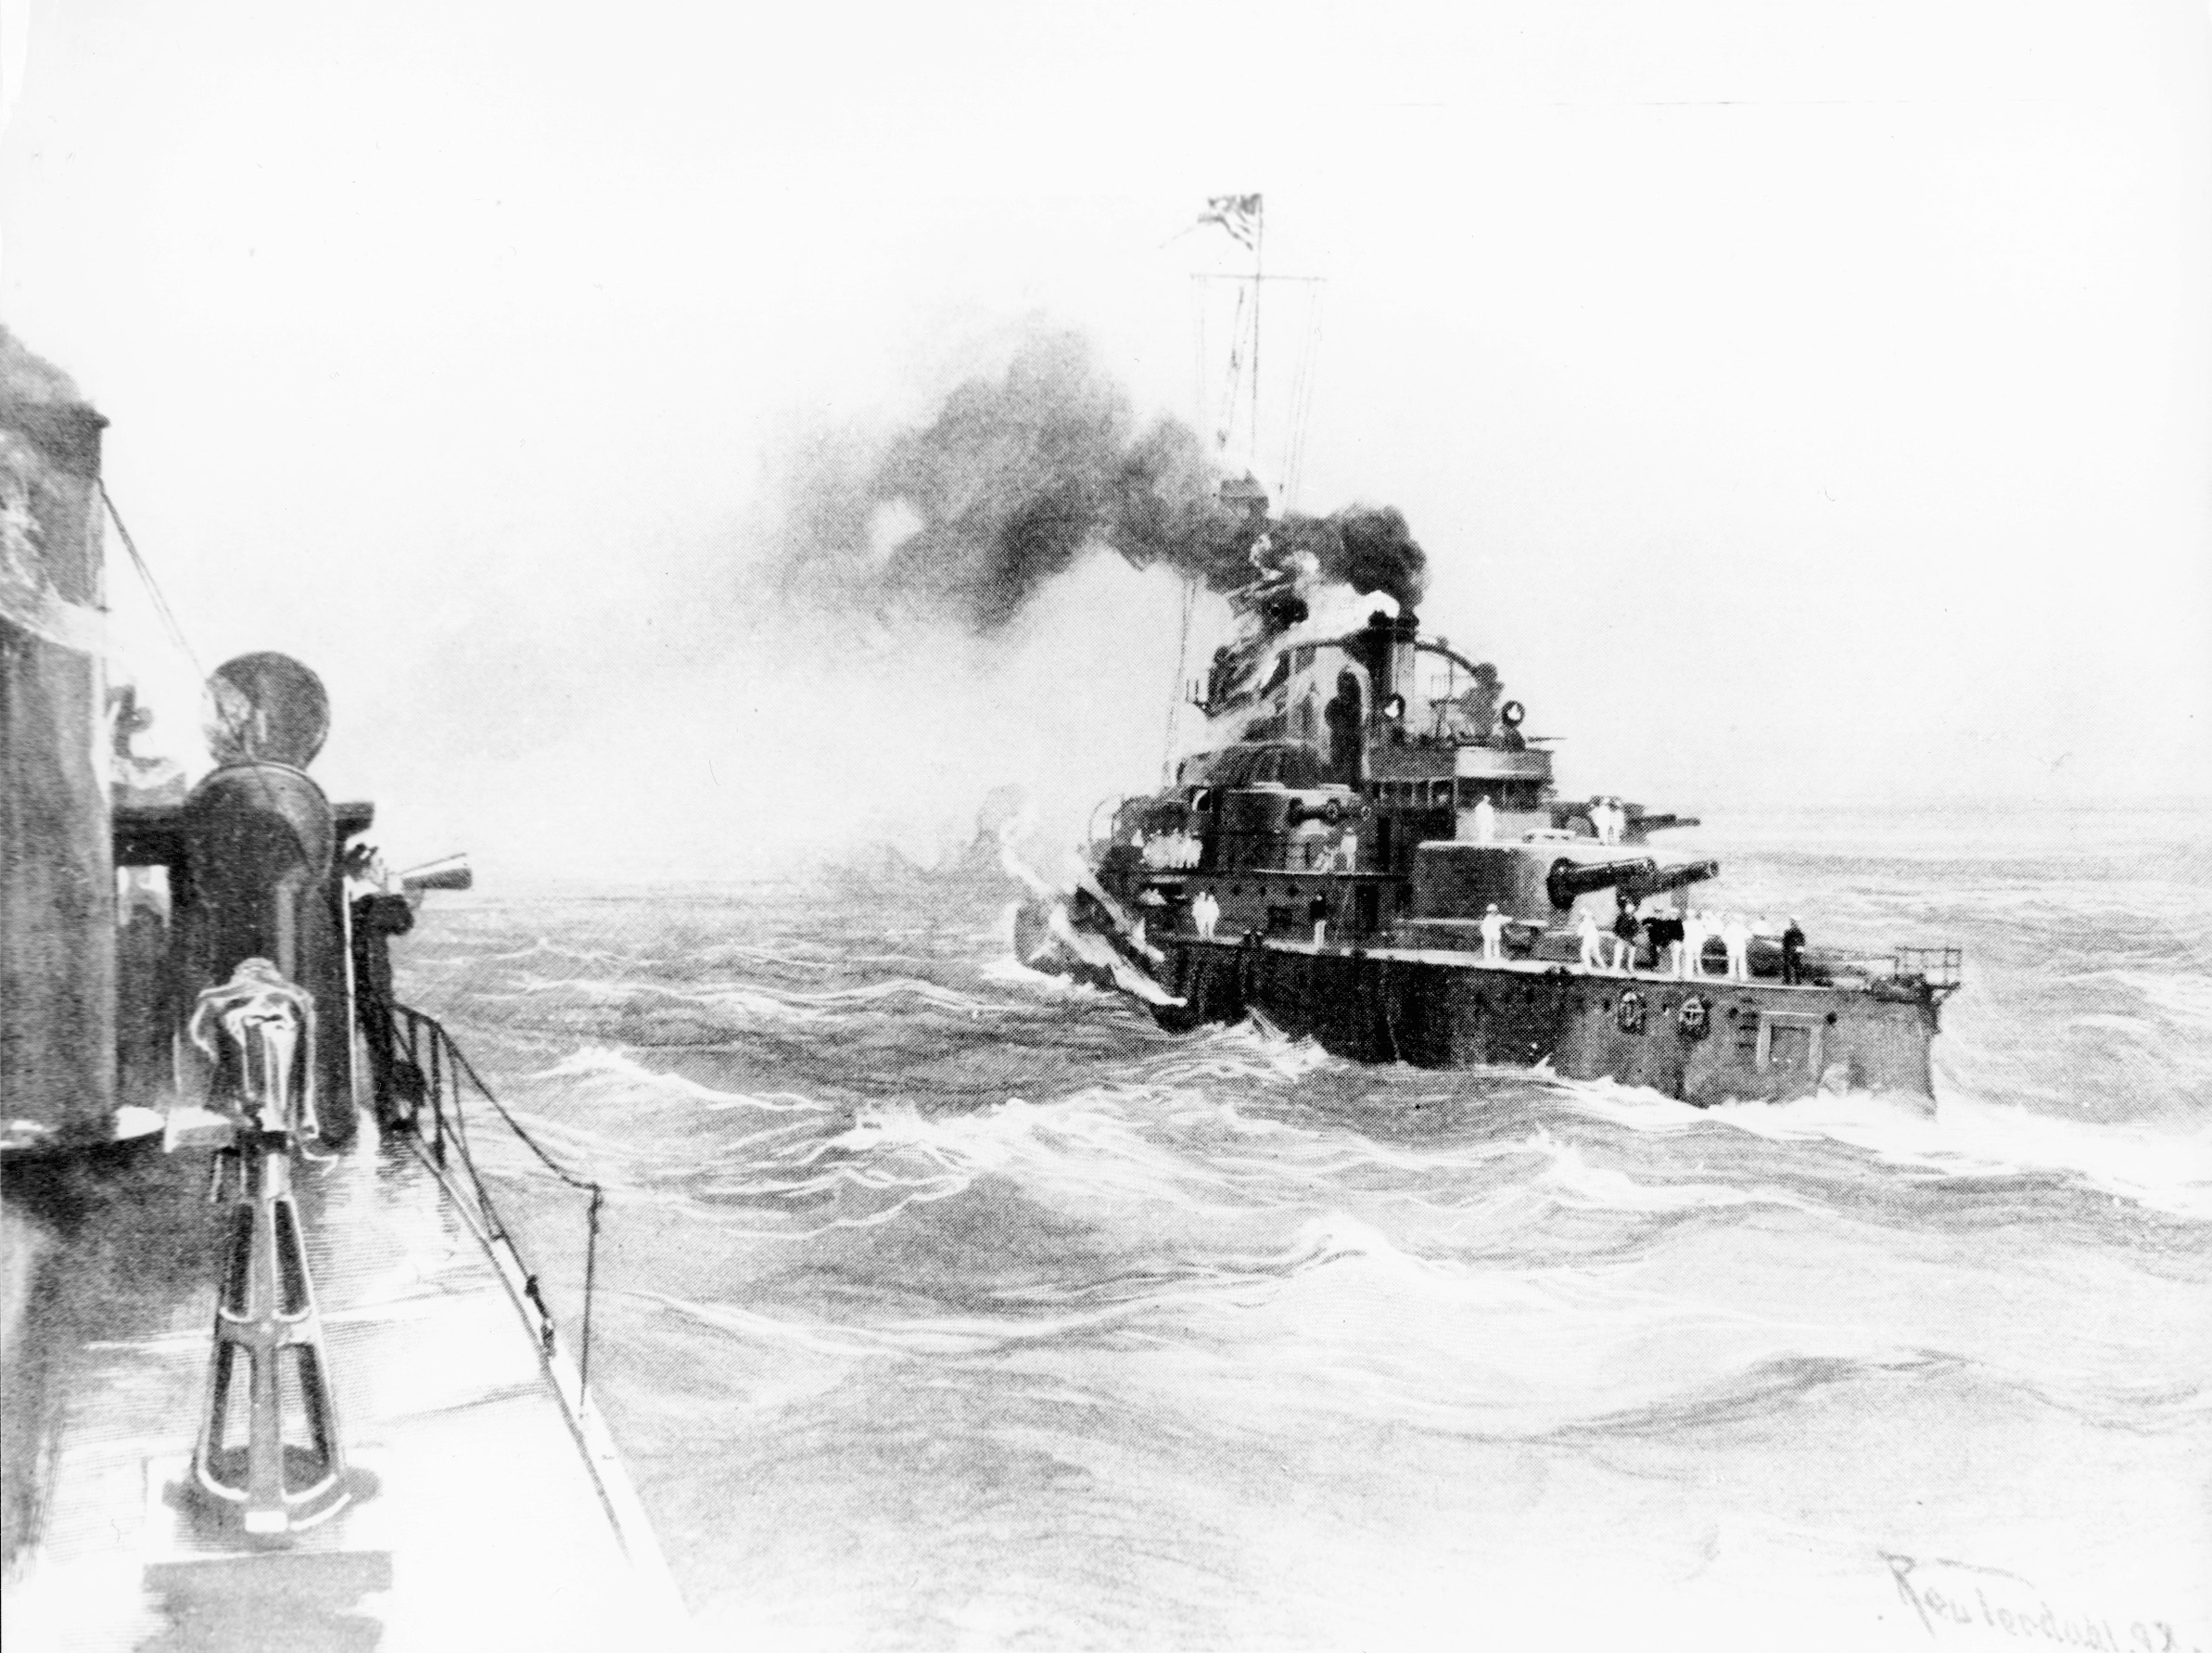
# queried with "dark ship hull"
point(1746, 1040)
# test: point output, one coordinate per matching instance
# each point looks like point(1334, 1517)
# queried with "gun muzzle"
point(1672, 878)
point(1568, 880)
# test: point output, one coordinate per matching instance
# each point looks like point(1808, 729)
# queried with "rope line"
point(231, 719)
point(153, 590)
point(449, 1067)
point(1175, 690)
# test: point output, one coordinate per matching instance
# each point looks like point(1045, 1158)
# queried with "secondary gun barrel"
point(1672, 878)
point(1568, 878)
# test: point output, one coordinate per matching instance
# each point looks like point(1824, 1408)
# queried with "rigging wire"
point(1224, 427)
point(153, 589)
point(1175, 690)
point(1302, 414)
point(232, 717)
point(1198, 365)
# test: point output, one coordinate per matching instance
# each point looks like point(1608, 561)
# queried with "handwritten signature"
point(1954, 1597)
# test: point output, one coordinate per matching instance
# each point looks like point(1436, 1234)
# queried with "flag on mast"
point(1239, 214)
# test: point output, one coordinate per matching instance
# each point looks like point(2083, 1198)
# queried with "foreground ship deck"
point(499, 1519)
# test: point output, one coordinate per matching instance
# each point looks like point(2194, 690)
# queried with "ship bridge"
point(1504, 776)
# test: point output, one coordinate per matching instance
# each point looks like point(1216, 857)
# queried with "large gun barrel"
point(1568, 878)
point(1672, 878)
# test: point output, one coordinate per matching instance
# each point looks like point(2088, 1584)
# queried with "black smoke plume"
point(1018, 478)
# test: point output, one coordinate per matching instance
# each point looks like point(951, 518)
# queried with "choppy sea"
point(945, 1305)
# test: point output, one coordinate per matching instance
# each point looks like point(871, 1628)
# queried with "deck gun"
point(1634, 876)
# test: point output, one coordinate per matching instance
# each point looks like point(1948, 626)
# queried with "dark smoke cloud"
point(1367, 548)
point(1018, 478)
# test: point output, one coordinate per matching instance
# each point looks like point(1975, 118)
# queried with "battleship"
point(276, 1372)
point(1358, 843)
point(1410, 887)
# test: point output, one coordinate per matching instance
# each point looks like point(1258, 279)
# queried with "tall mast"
point(1259, 282)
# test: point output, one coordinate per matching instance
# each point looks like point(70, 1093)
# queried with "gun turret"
point(1672, 878)
point(1570, 879)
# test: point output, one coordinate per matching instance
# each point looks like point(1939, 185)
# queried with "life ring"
point(1511, 714)
point(1628, 1015)
point(1694, 1017)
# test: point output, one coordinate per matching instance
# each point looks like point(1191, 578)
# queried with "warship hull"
point(1753, 1040)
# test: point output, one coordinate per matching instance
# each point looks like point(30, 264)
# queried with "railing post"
point(437, 1097)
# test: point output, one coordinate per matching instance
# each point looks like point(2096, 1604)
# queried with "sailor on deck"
point(1486, 822)
point(1693, 944)
point(1624, 937)
point(1792, 954)
point(1493, 935)
point(1205, 912)
point(1735, 935)
point(1593, 944)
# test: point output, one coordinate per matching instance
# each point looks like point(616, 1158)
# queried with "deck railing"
point(423, 1083)
point(1938, 966)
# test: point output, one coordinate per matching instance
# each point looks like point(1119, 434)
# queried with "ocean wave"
point(1572, 1180)
point(1966, 1138)
point(2178, 996)
point(1969, 1139)
point(629, 1078)
point(868, 1174)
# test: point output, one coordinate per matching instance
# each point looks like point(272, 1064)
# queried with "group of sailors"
point(1611, 818)
point(1168, 849)
point(1677, 941)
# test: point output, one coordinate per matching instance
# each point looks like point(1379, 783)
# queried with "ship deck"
point(498, 1520)
point(1463, 959)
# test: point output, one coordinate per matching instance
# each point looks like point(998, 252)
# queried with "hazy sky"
point(1805, 401)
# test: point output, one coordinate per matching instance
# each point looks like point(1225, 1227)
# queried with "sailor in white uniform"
point(1593, 944)
point(1486, 824)
point(1735, 935)
point(1693, 944)
point(1493, 935)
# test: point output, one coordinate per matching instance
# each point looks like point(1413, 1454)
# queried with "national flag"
point(1239, 214)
